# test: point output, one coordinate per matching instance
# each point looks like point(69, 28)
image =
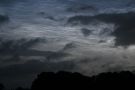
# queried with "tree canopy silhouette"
point(1, 86)
point(62, 80)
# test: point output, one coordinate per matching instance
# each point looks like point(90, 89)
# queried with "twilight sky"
point(85, 36)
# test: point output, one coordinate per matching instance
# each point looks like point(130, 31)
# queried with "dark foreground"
point(66, 80)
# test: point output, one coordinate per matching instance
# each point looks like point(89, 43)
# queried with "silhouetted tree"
point(21, 88)
point(59, 80)
point(67, 80)
point(1, 86)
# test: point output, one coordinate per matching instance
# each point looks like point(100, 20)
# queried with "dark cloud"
point(131, 3)
point(4, 18)
point(13, 58)
point(7, 1)
point(125, 23)
point(22, 47)
point(47, 16)
point(10, 2)
point(69, 46)
point(11, 50)
point(49, 55)
point(81, 8)
point(56, 55)
point(86, 32)
point(17, 46)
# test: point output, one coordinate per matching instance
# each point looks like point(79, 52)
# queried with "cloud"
point(86, 32)
point(124, 22)
point(11, 50)
point(70, 45)
point(3, 18)
point(81, 8)
point(17, 46)
point(10, 2)
point(19, 51)
point(56, 55)
point(47, 16)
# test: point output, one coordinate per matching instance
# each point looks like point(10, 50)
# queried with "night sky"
point(85, 36)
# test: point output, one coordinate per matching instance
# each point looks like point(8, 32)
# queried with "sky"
point(85, 36)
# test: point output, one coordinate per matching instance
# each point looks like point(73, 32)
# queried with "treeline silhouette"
point(67, 80)
point(1, 86)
